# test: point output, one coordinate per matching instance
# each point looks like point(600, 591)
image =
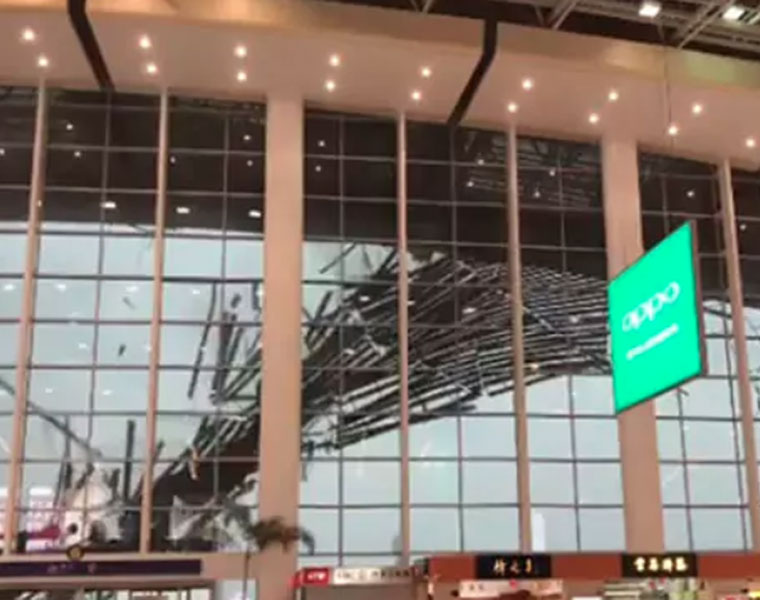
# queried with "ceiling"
point(289, 45)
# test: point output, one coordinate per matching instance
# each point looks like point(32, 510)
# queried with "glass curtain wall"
point(699, 438)
point(17, 120)
point(462, 447)
point(350, 480)
point(87, 380)
point(576, 488)
point(205, 484)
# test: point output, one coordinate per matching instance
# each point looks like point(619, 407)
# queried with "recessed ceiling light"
point(2, 151)
point(335, 60)
point(172, 159)
point(426, 72)
point(145, 42)
point(69, 126)
point(28, 35)
point(649, 9)
point(330, 85)
point(690, 194)
point(151, 68)
point(527, 83)
point(593, 118)
point(242, 76)
point(697, 108)
point(416, 95)
point(321, 143)
point(613, 95)
point(750, 142)
point(43, 62)
point(241, 51)
point(318, 168)
point(183, 210)
point(108, 205)
point(673, 129)
point(512, 107)
point(77, 154)
point(470, 183)
point(249, 163)
point(247, 137)
point(734, 12)
point(254, 214)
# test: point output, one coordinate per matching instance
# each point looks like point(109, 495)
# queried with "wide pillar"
point(280, 436)
point(637, 427)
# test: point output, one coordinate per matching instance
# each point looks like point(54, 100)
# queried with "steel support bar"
point(36, 193)
point(403, 336)
point(560, 12)
point(518, 346)
point(740, 343)
point(146, 507)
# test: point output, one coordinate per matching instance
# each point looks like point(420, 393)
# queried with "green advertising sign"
point(655, 320)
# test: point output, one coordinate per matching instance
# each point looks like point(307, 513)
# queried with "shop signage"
point(655, 321)
point(371, 575)
point(99, 568)
point(513, 566)
point(660, 565)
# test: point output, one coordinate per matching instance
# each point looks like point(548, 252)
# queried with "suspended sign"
point(660, 565)
point(513, 566)
point(99, 568)
point(655, 321)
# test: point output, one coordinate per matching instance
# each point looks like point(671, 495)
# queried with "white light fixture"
point(613, 95)
point(321, 143)
point(697, 108)
point(61, 287)
point(552, 172)
point(335, 60)
point(416, 95)
point(151, 68)
point(254, 214)
point(690, 194)
point(673, 130)
point(69, 126)
point(330, 85)
point(750, 142)
point(512, 107)
point(318, 168)
point(426, 72)
point(743, 227)
point(108, 205)
point(172, 159)
point(249, 163)
point(247, 137)
point(364, 298)
point(9, 287)
point(145, 42)
point(527, 84)
point(242, 76)
point(470, 183)
point(468, 310)
point(43, 62)
point(28, 35)
point(593, 118)
point(183, 210)
point(77, 154)
point(2, 151)
point(733, 13)
point(241, 51)
point(649, 9)
point(196, 292)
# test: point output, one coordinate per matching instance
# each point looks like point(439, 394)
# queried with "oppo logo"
point(647, 310)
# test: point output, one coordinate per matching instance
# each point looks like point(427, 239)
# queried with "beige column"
point(637, 428)
point(36, 194)
point(280, 436)
point(740, 344)
point(518, 350)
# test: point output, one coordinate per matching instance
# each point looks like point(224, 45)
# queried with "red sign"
point(314, 576)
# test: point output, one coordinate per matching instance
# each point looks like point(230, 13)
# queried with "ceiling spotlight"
point(613, 96)
point(173, 159)
point(335, 60)
point(241, 51)
point(242, 76)
point(249, 163)
point(527, 84)
point(77, 154)
point(28, 35)
point(734, 13)
point(649, 9)
point(426, 72)
point(673, 129)
point(254, 214)
point(2, 151)
point(691, 194)
point(43, 62)
point(593, 118)
point(145, 42)
point(330, 85)
point(416, 95)
point(512, 107)
point(69, 126)
point(151, 68)
point(697, 108)
point(108, 205)
point(183, 210)
point(750, 142)
point(247, 137)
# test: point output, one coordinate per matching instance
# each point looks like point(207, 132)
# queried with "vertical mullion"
point(403, 331)
point(518, 350)
point(36, 191)
point(146, 506)
point(740, 343)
